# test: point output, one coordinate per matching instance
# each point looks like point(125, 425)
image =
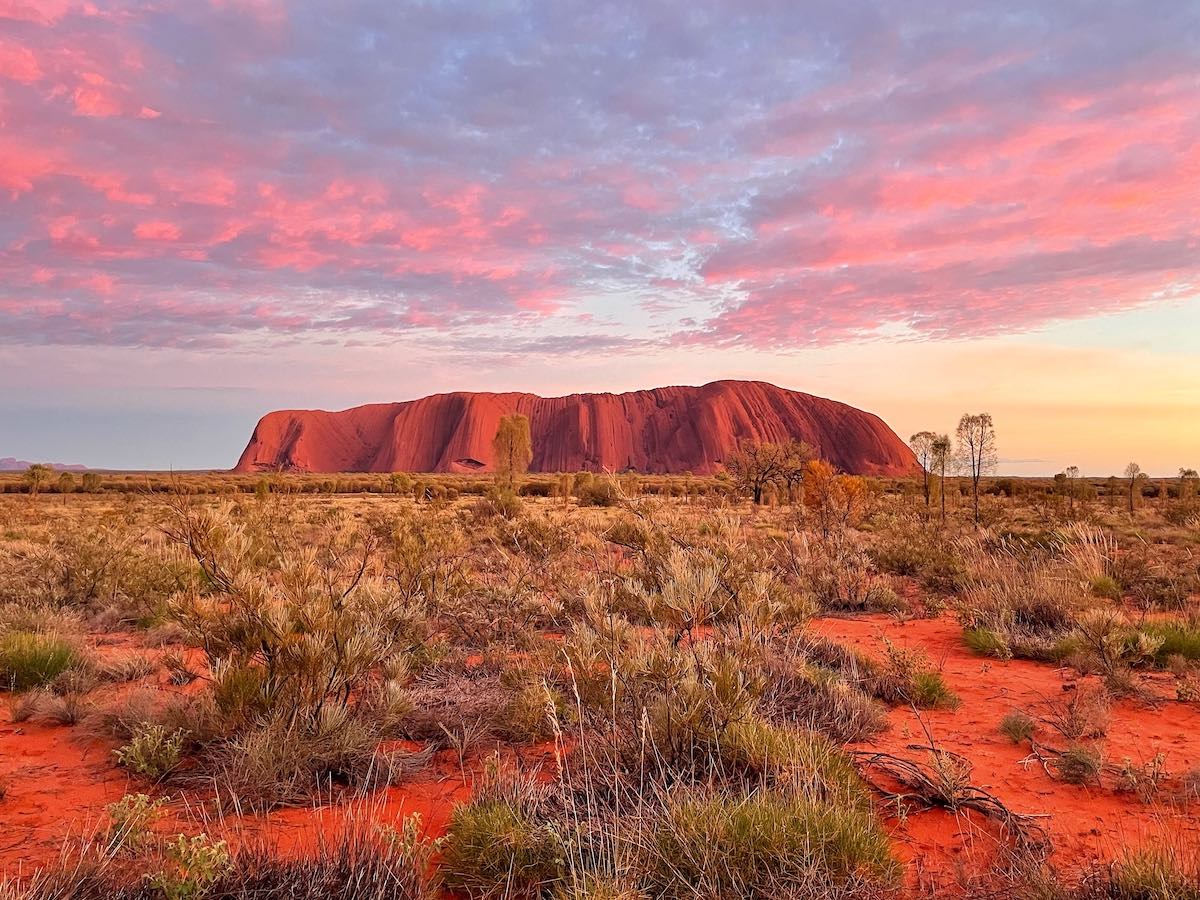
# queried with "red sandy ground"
point(58, 781)
point(1086, 824)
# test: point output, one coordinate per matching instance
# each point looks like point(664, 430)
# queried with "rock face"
point(666, 430)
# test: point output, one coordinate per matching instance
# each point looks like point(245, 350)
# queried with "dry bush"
point(1079, 765)
point(355, 863)
point(306, 645)
point(1081, 713)
point(836, 569)
point(1018, 605)
point(915, 547)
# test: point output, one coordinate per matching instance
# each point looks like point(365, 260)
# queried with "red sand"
point(667, 430)
point(1086, 823)
point(59, 783)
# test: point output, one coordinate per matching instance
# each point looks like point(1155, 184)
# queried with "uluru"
point(666, 430)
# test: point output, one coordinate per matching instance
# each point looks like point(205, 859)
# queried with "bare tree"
point(922, 446)
point(757, 467)
point(1133, 472)
point(976, 450)
point(941, 450)
point(796, 457)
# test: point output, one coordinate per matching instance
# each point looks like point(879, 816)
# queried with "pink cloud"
point(18, 63)
point(156, 231)
point(979, 173)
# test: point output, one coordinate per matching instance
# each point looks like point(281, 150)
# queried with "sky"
point(214, 208)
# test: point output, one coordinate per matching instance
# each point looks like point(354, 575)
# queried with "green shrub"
point(1017, 725)
point(29, 660)
point(132, 818)
point(598, 492)
point(774, 754)
point(526, 715)
point(1178, 639)
point(760, 846)
point(1154, 874)
point(194, 863)
point(1107, 587)
point(930, 691)
point(987, 642)
point(495, 848)
point(153, 751)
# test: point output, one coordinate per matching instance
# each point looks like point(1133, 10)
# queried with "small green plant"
point(1017, 725)
point(1107, 587)
point(761, 845)
point(132, 818)
point(930, 691)
point(153, 751)
point(1155, 874)
point(497, 848)
point(987, 642)
point(408, 847)
point(29, 660)
point(193, 863)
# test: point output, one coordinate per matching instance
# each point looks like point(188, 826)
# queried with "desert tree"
point(796, 457)
point(1187, 482)
point(976, 437)
point(37, 476)
point(66, 484)
point(513, 448)
point(837, 502)
point(922, 447)
point(1133, 474)
point(1072, 476)
point(941, 449)
point(757, 467)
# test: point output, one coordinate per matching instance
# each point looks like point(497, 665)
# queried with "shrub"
point(823, 701)
point(527, 714)
point(1082, 713)
point(1154, 874)
point(194, 863)
point(1106, 587)
point(28, 660)
point(1177, 639)
point(987, 642)
point(598, 492)
point(771, 754)
point(65, 709)
point(1078, 765)
point(760, 845)
point(132, 818)
point(496, 848)
point(153, 751)
point(499, 502)
point(277, 763)
point(589, 886)
point(357, 863)
point(930, 691)
point(1017, 725)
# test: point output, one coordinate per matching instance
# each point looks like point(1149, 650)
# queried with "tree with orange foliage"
point(837, 501)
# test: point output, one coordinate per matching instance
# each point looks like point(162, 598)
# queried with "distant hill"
point(11, 464)
point(664, 430)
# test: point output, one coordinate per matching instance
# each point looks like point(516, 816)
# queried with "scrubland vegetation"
point(645, 686)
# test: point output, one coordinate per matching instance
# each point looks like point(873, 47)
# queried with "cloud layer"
point(205, 173)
